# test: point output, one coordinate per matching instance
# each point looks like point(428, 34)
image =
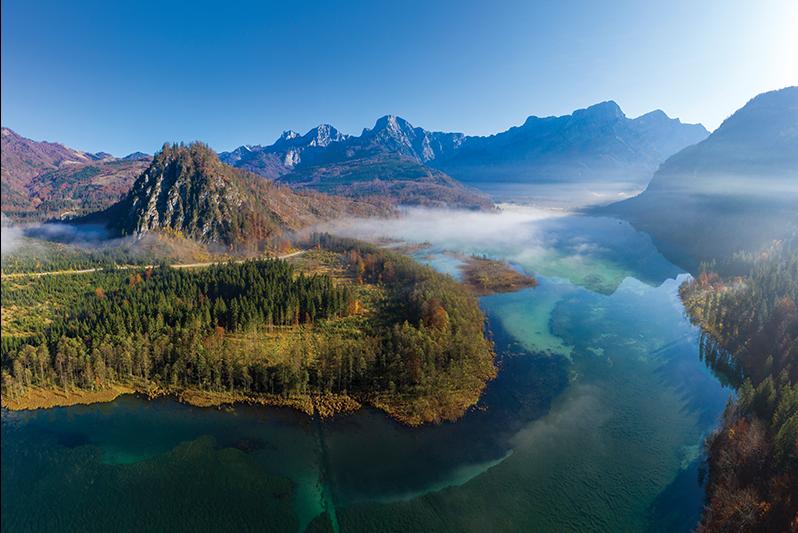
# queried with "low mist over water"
point(601, 398)
point(513, 224)
point(560, 194)
point(595, 252)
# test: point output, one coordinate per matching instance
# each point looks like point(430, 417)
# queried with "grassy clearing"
point(29, 305)
point(46, 398)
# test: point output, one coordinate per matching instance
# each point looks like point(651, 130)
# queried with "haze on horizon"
point(120, 79)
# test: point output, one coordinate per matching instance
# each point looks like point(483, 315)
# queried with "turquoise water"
point(594, 422)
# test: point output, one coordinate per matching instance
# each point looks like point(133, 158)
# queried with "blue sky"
point(126, 76)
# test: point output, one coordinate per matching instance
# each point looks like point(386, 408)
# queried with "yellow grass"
point(39, 398)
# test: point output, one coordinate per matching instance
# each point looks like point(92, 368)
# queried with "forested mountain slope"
point(48, 180)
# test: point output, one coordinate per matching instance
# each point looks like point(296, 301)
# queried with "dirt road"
point(131, 267)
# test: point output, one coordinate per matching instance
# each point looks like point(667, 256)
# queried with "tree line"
point(750, 336)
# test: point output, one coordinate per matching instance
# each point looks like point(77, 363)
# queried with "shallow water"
point(594, 422)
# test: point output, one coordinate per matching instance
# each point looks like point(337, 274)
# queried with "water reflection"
point(594, 422)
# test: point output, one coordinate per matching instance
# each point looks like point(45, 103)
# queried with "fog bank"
point(10, 236)
point(511, 226)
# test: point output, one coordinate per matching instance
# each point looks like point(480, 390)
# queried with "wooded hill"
point(394, 334)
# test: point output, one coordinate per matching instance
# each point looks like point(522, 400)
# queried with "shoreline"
point(41, 399)
point(322, 405)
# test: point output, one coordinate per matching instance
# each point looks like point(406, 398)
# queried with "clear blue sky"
point(125, 76)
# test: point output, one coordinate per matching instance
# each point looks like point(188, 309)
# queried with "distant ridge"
point(598, 143)
point(592, 144)
point(44, 180)
point(137, 156)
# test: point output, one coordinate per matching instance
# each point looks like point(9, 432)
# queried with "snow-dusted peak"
point(289, 135)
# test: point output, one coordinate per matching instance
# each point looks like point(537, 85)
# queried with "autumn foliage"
point(750, 334)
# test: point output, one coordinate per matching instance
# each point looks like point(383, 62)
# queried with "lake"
point(594, 423)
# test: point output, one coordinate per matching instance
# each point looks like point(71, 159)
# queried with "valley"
point(375, 331)
point(537, 405)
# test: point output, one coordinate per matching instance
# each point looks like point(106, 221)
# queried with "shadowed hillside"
point(593, 144)
point(737, 191)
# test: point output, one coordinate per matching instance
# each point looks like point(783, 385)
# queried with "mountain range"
point(49, 180)
point(393, 162)
point(598, 143)
point(736, 191)
point(733, 190)
point(387, 161)
point(592, 144)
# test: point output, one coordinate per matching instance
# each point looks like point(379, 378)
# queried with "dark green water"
point(593, 424)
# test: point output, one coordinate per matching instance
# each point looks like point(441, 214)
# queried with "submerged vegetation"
point(378, 328)
point(750, 336)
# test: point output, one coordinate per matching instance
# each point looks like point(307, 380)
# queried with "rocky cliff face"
point(187, 190)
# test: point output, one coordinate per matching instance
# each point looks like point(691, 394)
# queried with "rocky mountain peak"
point(605, 111)
point(322, 135)
point(394, 133)
point(187, 190)
point(137, 156)
point(287, 136)
point(392, 124)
